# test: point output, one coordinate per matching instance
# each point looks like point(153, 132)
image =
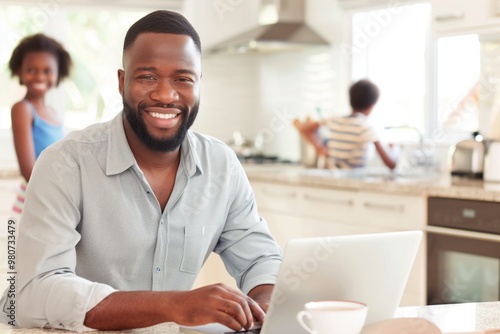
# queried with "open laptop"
point(369, 268)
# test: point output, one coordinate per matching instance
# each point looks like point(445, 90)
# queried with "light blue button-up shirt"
point(92, 225)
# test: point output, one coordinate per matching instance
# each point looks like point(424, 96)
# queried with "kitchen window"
point(458, 72)
point(390, 48)
point(468, 76)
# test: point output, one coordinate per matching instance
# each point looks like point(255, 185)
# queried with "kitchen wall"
point(262, 92)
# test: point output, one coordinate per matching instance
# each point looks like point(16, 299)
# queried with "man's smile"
point(162, 116)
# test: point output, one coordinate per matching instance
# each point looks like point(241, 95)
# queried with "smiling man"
point(120, 217)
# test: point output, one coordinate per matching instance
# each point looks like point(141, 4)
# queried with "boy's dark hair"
point(363, 94)
point(40, 43)
point(161, 21)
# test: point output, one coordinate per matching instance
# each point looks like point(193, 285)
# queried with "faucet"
point(422, 156)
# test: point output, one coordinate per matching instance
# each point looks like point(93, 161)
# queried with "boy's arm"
point(309, 130)
point(388, 160)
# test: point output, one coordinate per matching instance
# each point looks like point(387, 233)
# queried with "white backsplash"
point(262, 93)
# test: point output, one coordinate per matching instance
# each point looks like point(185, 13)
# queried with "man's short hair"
point(164, 22)
point(363, 94)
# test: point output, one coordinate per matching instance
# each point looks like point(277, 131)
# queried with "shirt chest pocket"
point(197, 242)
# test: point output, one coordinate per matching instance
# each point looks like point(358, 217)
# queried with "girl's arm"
point(22, 121)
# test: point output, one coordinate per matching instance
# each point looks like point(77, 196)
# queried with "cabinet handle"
point(278, 193)
point(384, 207)
point(346, 202)
point(458, 15)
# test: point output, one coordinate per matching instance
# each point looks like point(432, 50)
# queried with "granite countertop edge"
point(438, 185)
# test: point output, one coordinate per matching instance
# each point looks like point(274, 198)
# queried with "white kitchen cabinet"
point(464, 16)
point(299, 211)
point(384, 212)
point(213, 271)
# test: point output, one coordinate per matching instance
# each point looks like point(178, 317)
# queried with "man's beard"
point(136, 121)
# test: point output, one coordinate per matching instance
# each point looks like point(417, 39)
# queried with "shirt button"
point(161, 221)
point(158, 269)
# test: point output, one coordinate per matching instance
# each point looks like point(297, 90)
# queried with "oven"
point(463, 251)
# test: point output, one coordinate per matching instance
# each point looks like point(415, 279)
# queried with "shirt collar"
point(120, 156)
point(190, 154)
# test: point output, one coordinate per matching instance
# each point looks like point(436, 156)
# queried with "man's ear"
point(121, 81)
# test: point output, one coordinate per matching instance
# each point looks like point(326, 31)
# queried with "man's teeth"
point(162, 116)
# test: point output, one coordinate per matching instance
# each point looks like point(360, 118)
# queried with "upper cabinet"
point(463, 16)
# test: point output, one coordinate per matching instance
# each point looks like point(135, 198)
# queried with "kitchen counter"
point(421, 184)
point(449, 318)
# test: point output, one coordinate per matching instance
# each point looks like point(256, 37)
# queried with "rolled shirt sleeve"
point(246, 245)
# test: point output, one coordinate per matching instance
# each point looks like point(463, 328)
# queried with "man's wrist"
point(262, 295)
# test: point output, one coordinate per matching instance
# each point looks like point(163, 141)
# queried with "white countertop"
point(449, 318)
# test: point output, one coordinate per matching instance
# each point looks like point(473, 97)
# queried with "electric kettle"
point(492, 162)
point(466, 158)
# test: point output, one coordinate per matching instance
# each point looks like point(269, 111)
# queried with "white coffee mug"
point(333, 317)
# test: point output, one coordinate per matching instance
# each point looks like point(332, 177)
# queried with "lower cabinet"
point(299, 212)
point(213, 271)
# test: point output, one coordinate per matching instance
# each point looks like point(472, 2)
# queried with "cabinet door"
point(316, 203)
point(213, 271)
point(284, 228)
point(392, 212)
point(275, 197)
point(302, 211)
point(464, 15)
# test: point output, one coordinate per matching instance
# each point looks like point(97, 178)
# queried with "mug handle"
point(300, 317)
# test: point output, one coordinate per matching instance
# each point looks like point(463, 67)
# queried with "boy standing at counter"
point(120, 217)
point(346, 139)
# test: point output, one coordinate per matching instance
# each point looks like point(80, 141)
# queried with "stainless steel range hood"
point(282, 28)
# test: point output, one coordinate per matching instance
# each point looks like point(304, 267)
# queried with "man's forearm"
point(214, 303)
point(134, 309)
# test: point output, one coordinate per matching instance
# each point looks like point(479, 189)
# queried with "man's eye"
point(184, 80)
point(147, 77)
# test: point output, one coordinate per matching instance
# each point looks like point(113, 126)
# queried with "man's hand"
point(217, 303)
point(262, 295)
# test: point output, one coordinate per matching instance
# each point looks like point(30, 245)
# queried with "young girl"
point(41, 63)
